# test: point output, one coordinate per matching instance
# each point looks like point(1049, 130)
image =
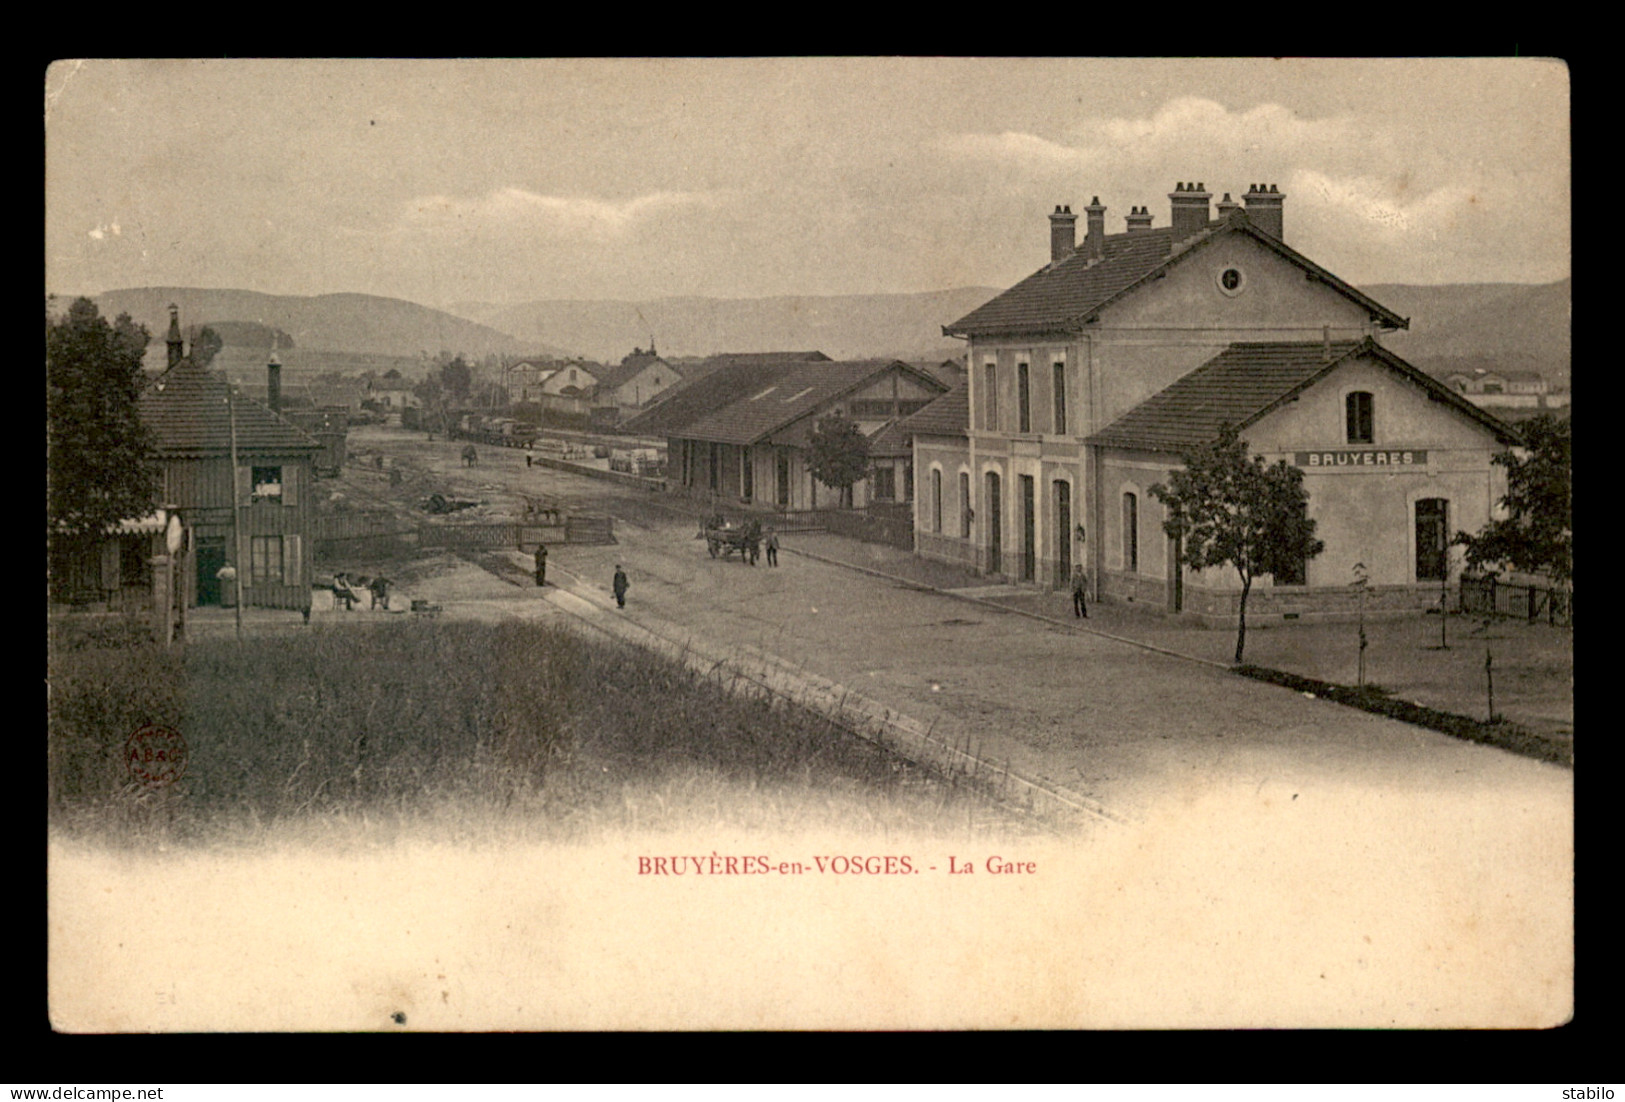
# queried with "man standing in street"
point(620, 587)
point(1080, 589)
point(772, 547)
point(541, 564)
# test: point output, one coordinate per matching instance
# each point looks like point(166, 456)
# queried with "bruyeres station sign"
point(1365, 459)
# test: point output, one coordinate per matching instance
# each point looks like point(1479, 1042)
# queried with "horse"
point(471, 458)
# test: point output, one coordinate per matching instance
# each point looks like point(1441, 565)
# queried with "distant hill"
point(332, 323)
point(1510, 326)
point(844, 326)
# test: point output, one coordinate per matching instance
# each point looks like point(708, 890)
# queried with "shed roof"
point(796, 391)
point(711, 383)
point(949, 415)
point(1065, 295)
point(1250, 379)
point(186, 408)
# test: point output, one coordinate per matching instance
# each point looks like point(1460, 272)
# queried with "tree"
point(838, 454)
point(1536, 535)
point(1229, 508)
point(100, 467)
point(457, 377)
point(205, 344)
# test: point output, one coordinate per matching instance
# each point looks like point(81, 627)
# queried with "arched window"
point(936, 500)
point(1131, 533)
point(965, 516)
point(1358, 408)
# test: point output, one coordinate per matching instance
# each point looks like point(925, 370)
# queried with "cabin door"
point(211, 556)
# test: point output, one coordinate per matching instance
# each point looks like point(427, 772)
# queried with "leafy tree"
point(100, 467)
point(205, 344)
point(433, 396)
point(838, 454)
point(1537, 535)
point(457, 378)
point(1229, 508)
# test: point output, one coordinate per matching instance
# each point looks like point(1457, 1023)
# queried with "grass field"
point(508, 728)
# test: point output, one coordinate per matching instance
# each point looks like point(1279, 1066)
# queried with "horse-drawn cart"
point(724, 537)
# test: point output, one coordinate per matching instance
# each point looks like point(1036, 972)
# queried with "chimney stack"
point(1264, 208)
point(1226, 206)
point(1189, 209)
point(176, 347)
point(273, 383)
point(1063, 234)
point(1139, 218)
point(1094, 245)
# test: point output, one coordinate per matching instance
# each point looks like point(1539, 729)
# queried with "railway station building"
point(1090, 378)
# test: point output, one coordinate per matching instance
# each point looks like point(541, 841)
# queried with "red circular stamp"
point(156, 756)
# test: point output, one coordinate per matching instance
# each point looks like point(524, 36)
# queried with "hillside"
point(843, 326)
point(1510, 326)
point(333, 323)
point(1518, 327)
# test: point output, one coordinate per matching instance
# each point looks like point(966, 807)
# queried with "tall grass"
point(407, 718)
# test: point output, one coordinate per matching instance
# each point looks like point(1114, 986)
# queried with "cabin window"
point(267, 484)
point(1358, 407)
point(1131, 533)
point(265, 560)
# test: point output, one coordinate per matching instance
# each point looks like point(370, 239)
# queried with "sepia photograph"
point(808, 543)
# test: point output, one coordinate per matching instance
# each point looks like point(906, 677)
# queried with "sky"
point(504, 181)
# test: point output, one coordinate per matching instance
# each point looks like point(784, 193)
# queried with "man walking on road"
point(772, 547)
point(541, 564)
point(1080, 589)
point(620, 587)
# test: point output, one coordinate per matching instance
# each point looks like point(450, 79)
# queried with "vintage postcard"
point(809, 543)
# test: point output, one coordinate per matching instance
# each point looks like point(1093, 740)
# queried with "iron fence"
point(1489, 596)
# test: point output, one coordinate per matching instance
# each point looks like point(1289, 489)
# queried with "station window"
point(1131, 533)
point(1060, 398)
point(1024, 400)
point(990, 397)
point(1358, 407)
point(964, 506)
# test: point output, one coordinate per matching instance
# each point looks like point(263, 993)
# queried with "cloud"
point(515, 210)
point(1385, 204)
point(1190, 138)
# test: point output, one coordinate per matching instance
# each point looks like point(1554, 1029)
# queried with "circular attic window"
point(1232, 281)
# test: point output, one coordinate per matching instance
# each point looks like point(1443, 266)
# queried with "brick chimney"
point(1063, 234)
point(1226, 206)
point(1189, 209)
point(1264, 208)
point(1139, 218)
point(273, 383)
point(176, 346)
point(1094, 244)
